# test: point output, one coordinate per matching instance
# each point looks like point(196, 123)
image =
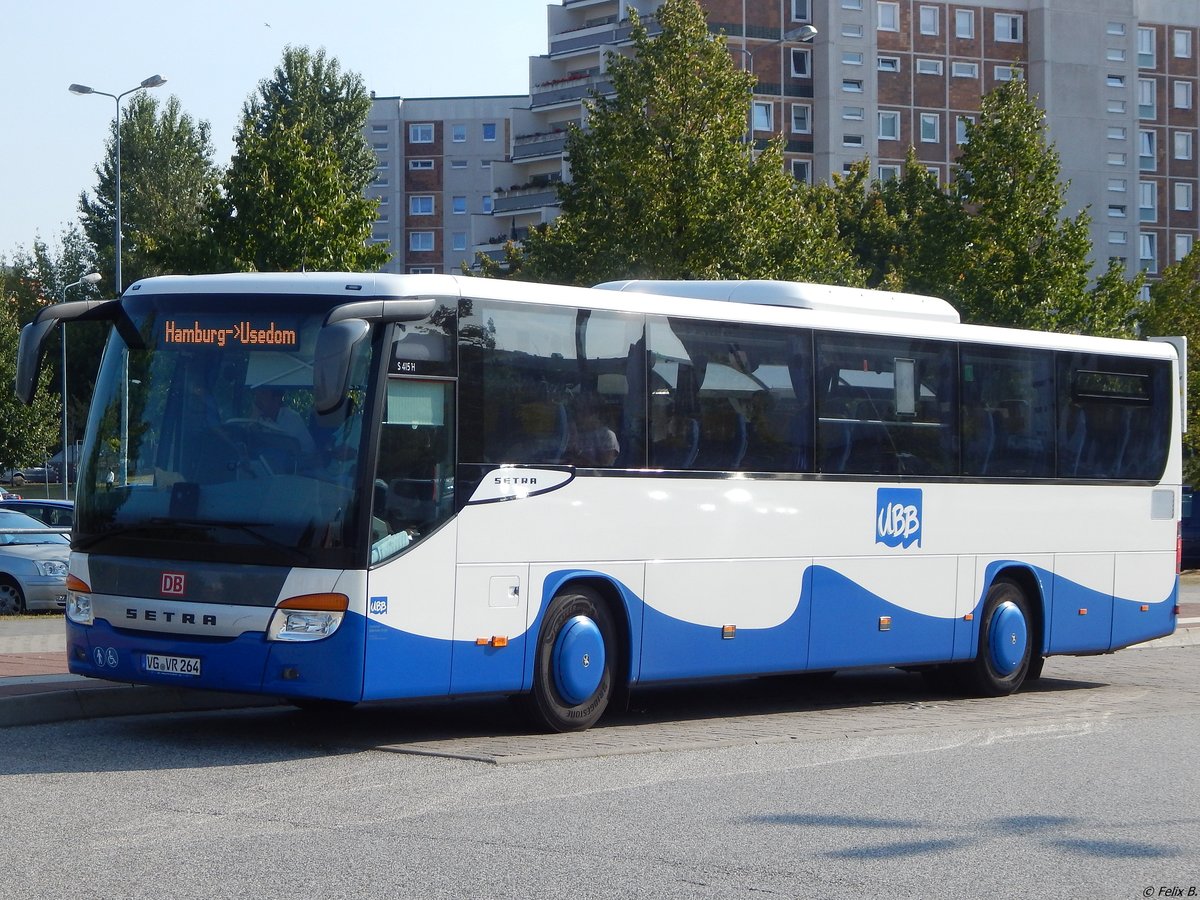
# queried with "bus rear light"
point(309, 617)
point(79, 601)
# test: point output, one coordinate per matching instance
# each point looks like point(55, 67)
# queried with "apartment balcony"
point(509, 202)
point(594, 35)
point(570, 89)
point(538, 146)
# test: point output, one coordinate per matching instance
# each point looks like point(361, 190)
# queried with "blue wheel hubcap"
point(578, 660)
point(1008, 637)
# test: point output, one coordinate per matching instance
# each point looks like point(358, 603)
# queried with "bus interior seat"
point(543, 433)
point(679, 448)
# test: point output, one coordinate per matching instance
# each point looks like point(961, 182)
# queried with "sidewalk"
point(35, 687)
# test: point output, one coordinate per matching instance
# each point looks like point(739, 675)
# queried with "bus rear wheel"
point(573, 664)
point(1005, 642)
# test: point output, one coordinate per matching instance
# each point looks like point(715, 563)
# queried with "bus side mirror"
point(29, 357)
point(331, 362)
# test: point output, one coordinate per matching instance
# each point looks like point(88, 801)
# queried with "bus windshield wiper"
point(245, 527)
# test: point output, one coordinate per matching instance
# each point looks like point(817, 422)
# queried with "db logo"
point(172, 583)
point(898, 517)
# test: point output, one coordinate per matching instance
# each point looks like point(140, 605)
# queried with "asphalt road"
point(869, 786)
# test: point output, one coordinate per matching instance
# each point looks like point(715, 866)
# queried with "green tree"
point(168, 182)
point(293, 194)
point(27, 433)
point(1013, 260)
point(37, 277)
point(664, 185)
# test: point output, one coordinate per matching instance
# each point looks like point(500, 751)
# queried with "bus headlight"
point(310, 617)
point(79, 601)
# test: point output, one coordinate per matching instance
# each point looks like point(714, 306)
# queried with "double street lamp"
point(89, 278)
point(152, 82)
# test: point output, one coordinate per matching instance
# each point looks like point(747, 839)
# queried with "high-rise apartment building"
point(1119, 80)
point(434, 160)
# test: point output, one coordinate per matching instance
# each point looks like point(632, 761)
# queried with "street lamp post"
point(805, 34)
point(152, 82)
point(89, 278)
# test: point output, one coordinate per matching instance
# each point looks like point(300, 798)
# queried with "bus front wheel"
point(1005, 642)
point(573, 665)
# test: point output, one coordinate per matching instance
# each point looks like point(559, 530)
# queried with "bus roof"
point(800, 295)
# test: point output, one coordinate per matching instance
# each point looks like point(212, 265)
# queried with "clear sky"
point(213, 54)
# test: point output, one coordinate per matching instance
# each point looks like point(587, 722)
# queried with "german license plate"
point(172, 665)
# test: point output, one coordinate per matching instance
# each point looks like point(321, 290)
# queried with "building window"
point(960, 128)
point(930, 123)
point(1115, 54)
point(458, 241)
point(488, 204)
point(852, 113)
point(929, 19)
point(1117, 133)
point(420, 241)
point(1145, 48)
point(801, 63)
point(1147, 151)
point(1116, 28)
point(1182, 42)
point(1148, 252)
point(802, 170)
point(485, 164)
point(1183, 144)
point(1183, 246)
point(852, 85)
point(889, 126)
point(852, 140)
point(1116, 106)
point(888, 63)
point(382, 165)
point(1146, 102)
point(1115, 81)
point(964, 69)
point(1118, 237)
point(458, 163)
point(889, 16)
point(377, 128)
point(458, 133)
point(801, 10)
point(851, 4)
point(489, 131)
point(1009, 28)
point(1147, 201)
point(418, 164)
point(964, 23)
point(852, 31)
point(1116, 211)
point(1183, 195)
point(458, 206)
point(420, 205)
point(1010, 73)
point(1116, 159)
point(763, 116)
point(929, 67)
point(852, 58)
point(420, 133)
point(1117, 185)
point(801, 118)
point(888, 173)
point(1182, 91)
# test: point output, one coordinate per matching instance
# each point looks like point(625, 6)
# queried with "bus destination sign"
point(236, 333)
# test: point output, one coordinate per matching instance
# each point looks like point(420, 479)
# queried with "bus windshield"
point(202, 442)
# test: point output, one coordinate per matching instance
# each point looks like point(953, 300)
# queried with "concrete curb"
point(68, 701)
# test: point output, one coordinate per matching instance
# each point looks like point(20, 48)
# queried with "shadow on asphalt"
point(197, 740)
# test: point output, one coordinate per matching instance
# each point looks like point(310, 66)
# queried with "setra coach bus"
point(348, 487)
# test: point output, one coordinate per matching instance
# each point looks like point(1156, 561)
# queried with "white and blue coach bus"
point(346, 487)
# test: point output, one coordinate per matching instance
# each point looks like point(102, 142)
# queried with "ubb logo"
point(898, 517)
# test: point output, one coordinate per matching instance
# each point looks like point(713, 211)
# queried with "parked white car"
point(33, 564)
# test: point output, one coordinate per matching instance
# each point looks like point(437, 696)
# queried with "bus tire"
point(1006, 634)
point(573, 662)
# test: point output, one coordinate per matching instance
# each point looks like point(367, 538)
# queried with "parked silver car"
point(33, 564)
